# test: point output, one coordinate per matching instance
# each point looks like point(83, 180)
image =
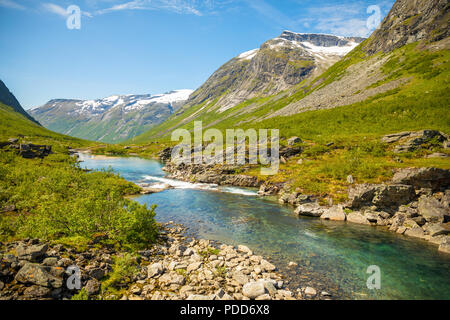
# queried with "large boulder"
point(357, 217)
point(335, 213)
point(433, 178)
point(380, 195)
point(310, 210)
point(31, 253)
point(32, 273)
point(432, 210)
point(410, 141)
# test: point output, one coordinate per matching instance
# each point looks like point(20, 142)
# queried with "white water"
point(177, 184)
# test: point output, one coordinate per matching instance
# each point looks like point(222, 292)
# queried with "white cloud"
point(178, 6)
point(11, 4)
point(56, 9)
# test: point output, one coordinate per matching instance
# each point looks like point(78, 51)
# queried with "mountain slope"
point(7, 98)
point(388, 69)
point(112, 119)
point(280, 64)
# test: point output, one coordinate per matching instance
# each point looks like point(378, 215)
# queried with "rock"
point(391, 138)
point(293, 140)
point(13, 140)
point(357, 217)
point(92, 287)
point(445, 245)
point(438, 155)
point(194, 266)
point(335, 213)
point(51, 261)
point(200, 297)
point(416, 232)
point(155, 270)
point(270, 287)
point(311, 292)
point(97, 273)
point(410, 141)
point(264, 297)
point(253, 290)
point(172, 278)
point(350, 179)
point(437, 229)
point(432, 210)
point(31, 253)
point(310, 209)
point(292, 264)
point(240, 277)
point(244, 249)
point(393, 195)
point(9, 208)
point(433, 178)
point(361, 195)
point(36, 292)
point(32, 273)
point(267, 266)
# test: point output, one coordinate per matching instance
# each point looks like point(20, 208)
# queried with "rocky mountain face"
point(410, 21)
point(112, 119)
point(7, 98)
point(277, 65)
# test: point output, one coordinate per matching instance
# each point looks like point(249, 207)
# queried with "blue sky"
point(149, 46)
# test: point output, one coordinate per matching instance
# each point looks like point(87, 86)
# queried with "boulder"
point(293, 140)
point(155, 270)
point(172, 278)
point(437, 229)
point(311, 292)
point(362, 194)
point(357, 217)
point(36, 292)
point(31, 253)
point(267, 266)
point(433, 178)
point(92, 287)
point(432, 210)
point(335, 213)
point(310, 209)
point(445, 245)
point(387, 196)
point(32, 273)
point(253, 290)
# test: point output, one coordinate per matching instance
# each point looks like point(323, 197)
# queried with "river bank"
point(179, 267)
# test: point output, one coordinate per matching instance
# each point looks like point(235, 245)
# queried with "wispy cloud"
point(348, 19)
point(178, 6)
point(11, 4)
point(271, 13)
point(60, 11)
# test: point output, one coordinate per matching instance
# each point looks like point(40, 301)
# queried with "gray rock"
point(310, 209)
point(267, 266)
point(31, 253)
point(335, 213)
point(357, 217)
point(36, 292)
point(311, 292)
point(433, 178)
point(292, 141)
point(432, 210)
point(240, 277)
point(253, 290)
point(155, 270)
point(51, 261)
point(92, 287)
point(32, 273)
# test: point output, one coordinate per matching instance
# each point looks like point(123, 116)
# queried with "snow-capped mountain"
point(112, 119)
point(279, 64)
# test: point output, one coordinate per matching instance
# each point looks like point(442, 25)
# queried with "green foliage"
point(81, 295)
point(57, 199)
point(124, 269)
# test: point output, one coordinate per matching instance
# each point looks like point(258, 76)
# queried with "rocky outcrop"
point(26, 150)
point(413, 140)
point(410, 21)
point(433, 178)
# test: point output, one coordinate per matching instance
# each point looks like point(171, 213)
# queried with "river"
point(332, 256)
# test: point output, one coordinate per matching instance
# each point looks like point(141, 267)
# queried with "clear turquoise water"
point(332, 256)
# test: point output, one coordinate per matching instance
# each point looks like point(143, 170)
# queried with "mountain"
point(278, 65)
point(8, 99)
point(395, 80)
point(112, 119)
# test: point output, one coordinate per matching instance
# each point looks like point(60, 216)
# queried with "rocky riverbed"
point(177, 268)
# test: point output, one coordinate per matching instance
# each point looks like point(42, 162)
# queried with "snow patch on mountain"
point(248, 55)
point(130, 103)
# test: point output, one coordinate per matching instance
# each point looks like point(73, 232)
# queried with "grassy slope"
point(55, 199)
